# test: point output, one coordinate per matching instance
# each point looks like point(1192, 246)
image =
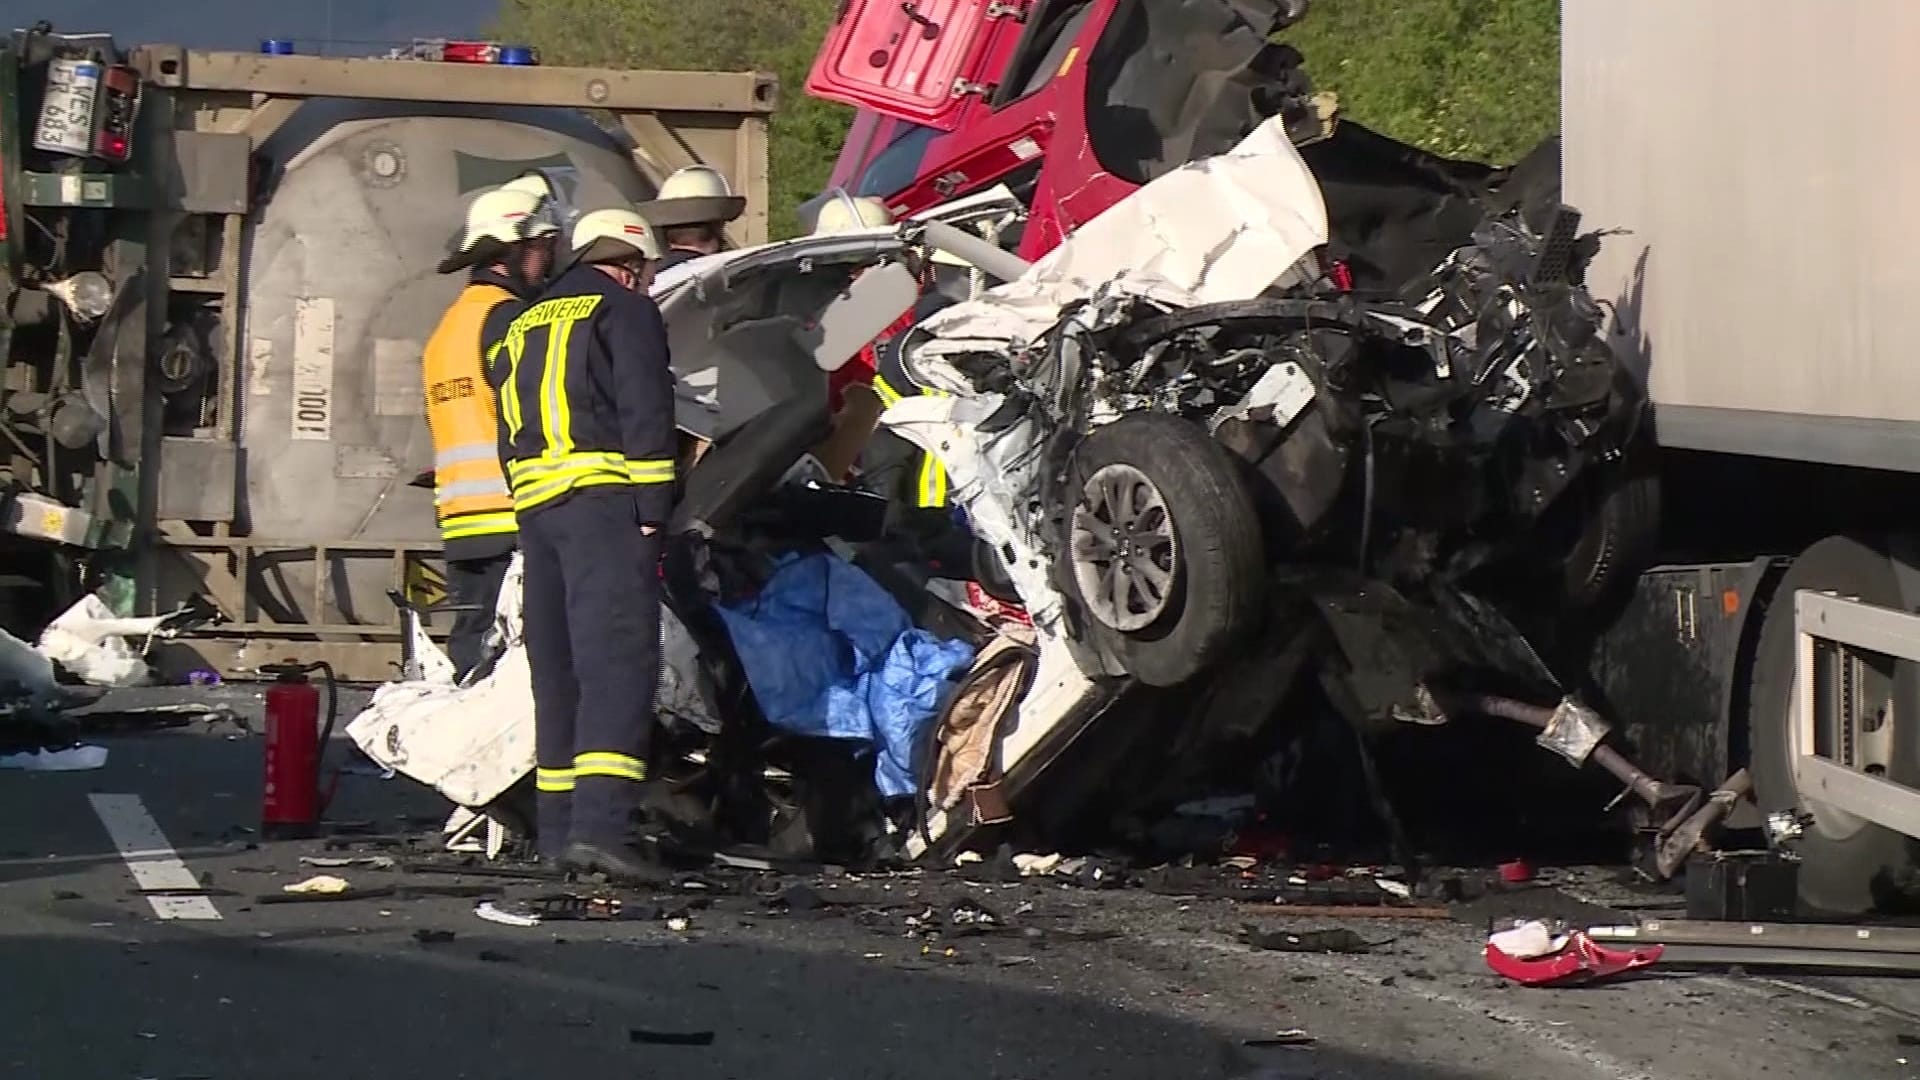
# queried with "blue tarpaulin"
point(829, 653)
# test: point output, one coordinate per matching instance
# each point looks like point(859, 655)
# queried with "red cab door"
point(914, 60)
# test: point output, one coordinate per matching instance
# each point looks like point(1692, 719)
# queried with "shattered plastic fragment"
point(1289, 1037)
point(320, 885)
point(1338, 940)
point(1036, 865)
point(1395, 888)
point(370, 862)
point(670, 1038)
point(493, 913)
point(71, 759)
point(1532, 954)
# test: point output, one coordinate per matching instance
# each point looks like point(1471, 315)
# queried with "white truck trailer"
point(1757, 157)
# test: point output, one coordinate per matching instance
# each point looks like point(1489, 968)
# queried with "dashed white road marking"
point(149, 858)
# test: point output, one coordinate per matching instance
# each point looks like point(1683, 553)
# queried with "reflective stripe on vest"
point(470, 491)
point(930, 479)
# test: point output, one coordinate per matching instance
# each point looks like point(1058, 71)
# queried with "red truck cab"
point(1071, 103)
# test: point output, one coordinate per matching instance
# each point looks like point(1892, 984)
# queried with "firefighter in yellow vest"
point(504, 250)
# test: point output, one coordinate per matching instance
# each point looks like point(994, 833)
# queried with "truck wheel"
point(1165, 554)
point(1848, 866)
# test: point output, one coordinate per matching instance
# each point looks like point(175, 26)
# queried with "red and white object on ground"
point(1535, 954)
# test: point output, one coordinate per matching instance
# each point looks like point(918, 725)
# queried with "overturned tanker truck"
point(1195, 465)
point(216, 280)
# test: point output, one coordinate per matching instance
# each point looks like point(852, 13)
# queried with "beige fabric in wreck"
point(967, 740)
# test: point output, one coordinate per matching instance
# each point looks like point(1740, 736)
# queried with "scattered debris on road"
point(1536, 954)
point(670, 1038)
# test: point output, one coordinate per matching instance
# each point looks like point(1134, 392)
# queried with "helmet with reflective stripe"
point(695, 195)
point(614, 236)
point(846, 213)
point(495, 220)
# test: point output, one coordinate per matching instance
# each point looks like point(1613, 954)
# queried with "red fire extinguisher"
point(291, 801)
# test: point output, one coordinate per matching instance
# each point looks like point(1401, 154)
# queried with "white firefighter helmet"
point(695, 195)
point(495, 220)
point(847, 213)
point(696, 182)
point(614, 236)
point(532, 183)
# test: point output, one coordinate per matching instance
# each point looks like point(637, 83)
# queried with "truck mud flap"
point(113, 374)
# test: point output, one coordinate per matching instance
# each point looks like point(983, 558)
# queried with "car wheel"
point(1164, 553)
point(1848, 866)
point(1620, 530)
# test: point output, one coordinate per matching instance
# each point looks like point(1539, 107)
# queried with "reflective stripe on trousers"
point(593, 763)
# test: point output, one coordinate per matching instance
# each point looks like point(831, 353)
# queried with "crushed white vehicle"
point(1188, 455)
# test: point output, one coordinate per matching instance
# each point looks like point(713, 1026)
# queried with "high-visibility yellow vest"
point(470, 495)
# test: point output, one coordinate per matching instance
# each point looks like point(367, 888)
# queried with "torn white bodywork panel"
point(1218, 229)
point(472, 743)
point(98, 647)
point(1280, 396)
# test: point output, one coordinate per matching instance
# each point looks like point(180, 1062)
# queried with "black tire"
point(1618, 537)
point(1843, 871)
point(1218, 567)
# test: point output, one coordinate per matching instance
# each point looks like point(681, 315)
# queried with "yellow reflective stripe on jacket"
point(467, 526)
point(543, 479)
point(930, 487)
point(617, 766)
point(553, 779)
point(930, 480)
point(559, 316)
point(650, 470)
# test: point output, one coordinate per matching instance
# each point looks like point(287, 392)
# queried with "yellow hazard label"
point(426, 584)
point(53, 522)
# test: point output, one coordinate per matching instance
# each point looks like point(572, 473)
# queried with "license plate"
point(67, 111)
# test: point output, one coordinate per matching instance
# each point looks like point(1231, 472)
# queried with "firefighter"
point(503, 250)
point(880, 363)
point(587, 434)
point(691, 212)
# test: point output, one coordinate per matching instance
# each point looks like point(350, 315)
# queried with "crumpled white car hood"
point(1222, 228)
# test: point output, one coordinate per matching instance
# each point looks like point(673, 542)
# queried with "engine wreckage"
point(1197, 466)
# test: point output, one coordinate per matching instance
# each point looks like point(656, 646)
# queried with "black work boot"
point(623, 864)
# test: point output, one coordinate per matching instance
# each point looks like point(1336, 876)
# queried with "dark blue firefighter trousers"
point(591, 612)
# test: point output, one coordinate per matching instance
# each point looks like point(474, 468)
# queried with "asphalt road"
point(94, 983)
